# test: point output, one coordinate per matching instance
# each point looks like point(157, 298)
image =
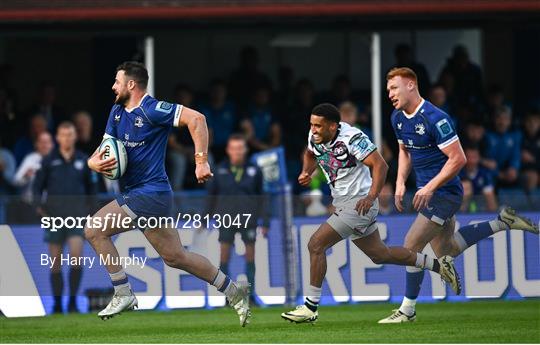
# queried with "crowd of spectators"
point(503, 148)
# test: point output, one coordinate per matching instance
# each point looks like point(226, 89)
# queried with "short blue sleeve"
point(443, 130)
point(163, 113)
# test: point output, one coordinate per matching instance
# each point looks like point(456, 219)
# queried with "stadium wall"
point(505, 266)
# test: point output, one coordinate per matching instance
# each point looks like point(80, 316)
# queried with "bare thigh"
point(102, 224)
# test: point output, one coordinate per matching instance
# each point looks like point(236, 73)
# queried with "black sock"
point(311, 305)
point(57, 287)
point(75, 275)
point(436, 266)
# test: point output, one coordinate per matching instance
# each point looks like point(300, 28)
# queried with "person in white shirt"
point(24, 177)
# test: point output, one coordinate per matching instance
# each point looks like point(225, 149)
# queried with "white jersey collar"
point(138, 105)
point(410, 116)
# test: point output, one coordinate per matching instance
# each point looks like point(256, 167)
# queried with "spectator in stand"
point(476, 180)
point(7, 170)
point(47, 106)
point(496, 98)
point(475, 135)
point(503, 146)
point(246, 77)
point(341, 90)
point(467, 76)
point(237, 188)
point(404, 58)
point(24, 177)
point(437, 96)
point(87, 142)
point(446, 80)
point(261, 126)
point(60, 187)
point(221, 117)
point(530, 150)
point(349, 114)
point(25, 144)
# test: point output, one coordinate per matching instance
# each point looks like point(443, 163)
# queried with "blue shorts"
point(146, 204)
point(442, 207)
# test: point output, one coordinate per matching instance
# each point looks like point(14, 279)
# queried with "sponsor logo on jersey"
point(399, 125)
point(126, 136)
point(117, 118)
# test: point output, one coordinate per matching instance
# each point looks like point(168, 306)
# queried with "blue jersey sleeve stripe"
point(448, 142)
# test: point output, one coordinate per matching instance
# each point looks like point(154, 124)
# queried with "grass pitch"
point(472, 322)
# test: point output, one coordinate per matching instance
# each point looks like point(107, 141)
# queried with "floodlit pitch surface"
point(473, 322)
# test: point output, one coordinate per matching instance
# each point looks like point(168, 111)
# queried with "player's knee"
point(176, 259)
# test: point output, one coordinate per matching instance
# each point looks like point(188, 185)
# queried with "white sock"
point(314, 294)
point(498, 225)
point(224, 284)
point(219, 279)
point(119, 280)
point(424, 261)
point(408, 306)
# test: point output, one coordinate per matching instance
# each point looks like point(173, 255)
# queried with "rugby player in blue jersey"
point(428, 143)
point(143, 124)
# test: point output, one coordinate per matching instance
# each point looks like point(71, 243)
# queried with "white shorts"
point(348, 223)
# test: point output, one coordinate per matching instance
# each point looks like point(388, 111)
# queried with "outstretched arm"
point(196, 123)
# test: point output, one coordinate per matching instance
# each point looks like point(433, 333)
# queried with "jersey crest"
point(420, 129)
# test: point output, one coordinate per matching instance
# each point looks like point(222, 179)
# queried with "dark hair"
point(136, 71)
point(237, 136)
point(65, 125)
point(328, 111)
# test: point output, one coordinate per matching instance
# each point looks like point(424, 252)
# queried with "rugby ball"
point(114, 148)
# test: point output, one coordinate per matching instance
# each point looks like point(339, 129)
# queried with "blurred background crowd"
point(502, 145)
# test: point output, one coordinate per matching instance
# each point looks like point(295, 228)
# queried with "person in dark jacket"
point(237, 190)
point(59, 186)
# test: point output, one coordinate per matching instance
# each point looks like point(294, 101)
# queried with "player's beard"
point(122, 99)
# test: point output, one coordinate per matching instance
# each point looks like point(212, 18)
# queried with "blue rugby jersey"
point(144, 131)
point(424, 134)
